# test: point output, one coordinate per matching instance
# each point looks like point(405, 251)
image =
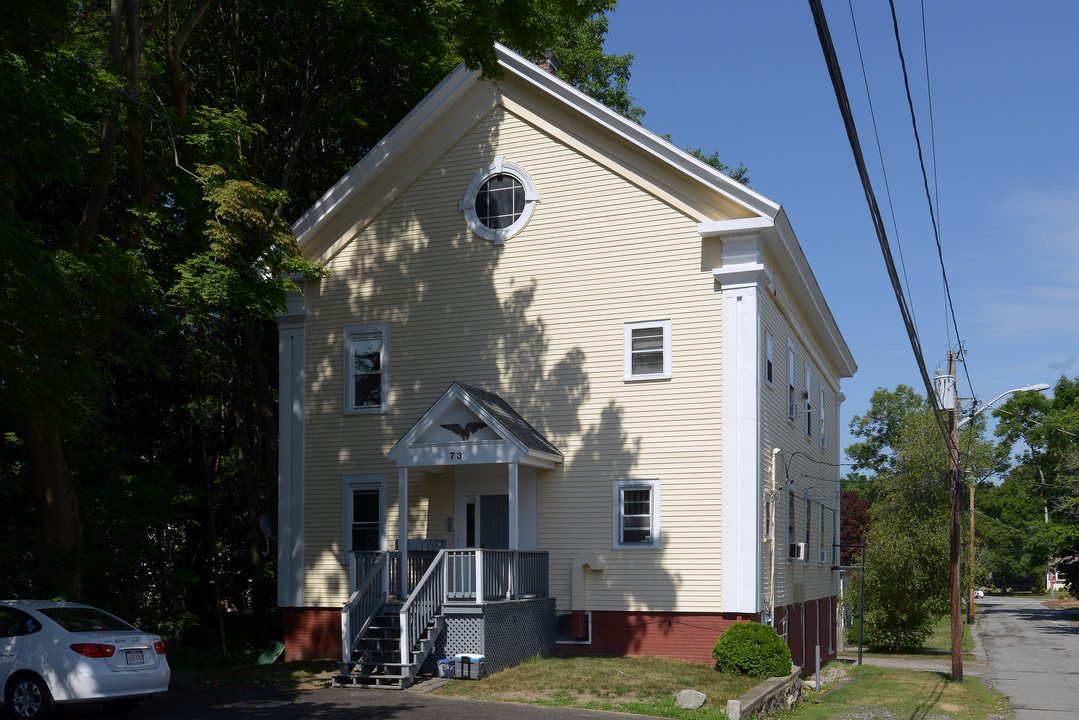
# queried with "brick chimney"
point(549, 62)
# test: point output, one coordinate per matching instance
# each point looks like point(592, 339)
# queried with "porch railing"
point(418, 562)
point(486, 575)
point(468, 576)
point(424, 603)
point(361, 607)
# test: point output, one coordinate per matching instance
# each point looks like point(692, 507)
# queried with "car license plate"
point(135, 657)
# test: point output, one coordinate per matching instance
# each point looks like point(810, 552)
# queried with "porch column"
point(402, 529)
point(514, 502)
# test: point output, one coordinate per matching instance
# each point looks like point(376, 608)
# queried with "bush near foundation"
point(752, 649)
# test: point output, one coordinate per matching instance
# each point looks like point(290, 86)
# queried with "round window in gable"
point(499, 201)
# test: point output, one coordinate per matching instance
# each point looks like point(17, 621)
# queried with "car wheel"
point(28, 698)
point(121, 707)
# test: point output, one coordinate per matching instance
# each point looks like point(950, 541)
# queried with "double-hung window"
point(366, 368)
point(808, 526)
point(792, 409)
point(809, 402)
point(823, 426)
point(835, 540)
point(767, 517)
point(636, 513)
point(768, 357)
point(821, 554)
point(648, 350)
point(790, 522)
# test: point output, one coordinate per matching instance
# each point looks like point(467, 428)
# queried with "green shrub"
point(752, 649)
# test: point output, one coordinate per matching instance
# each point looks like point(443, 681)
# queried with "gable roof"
point(442, 117)
point(467, 425)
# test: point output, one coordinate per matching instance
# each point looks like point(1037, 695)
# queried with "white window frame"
point(792, 407)
point(808, 526)
point(835, 536)
point(583, 641)
point(769, 361)
point(790, 520)
point(628, 329)
point(467, 205)
point(768, 530)
point(349, 485)
point(809, 401)
point(354, 332)
point(653, 510)
point(823, 427)
point(821, 556)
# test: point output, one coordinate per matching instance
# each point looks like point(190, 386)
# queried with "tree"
point(1045, 429)
point(902, 464)
point(854, 521)
point(1009, 519)
point(154, 149)
point(881, 427)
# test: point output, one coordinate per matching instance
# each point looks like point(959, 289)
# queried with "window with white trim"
point(835, 539)
point(363, 514)
point(767, 517)
point(499, 201)
point(792, 409)
point(809, 402)
point(790, 520)
point(823, 426)
point(821, 553)
point(366, 368)
point(636, 513)
point(647, 350)
point(808, 525)
point(768, 357)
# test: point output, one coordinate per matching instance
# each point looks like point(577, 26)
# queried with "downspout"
point(770, 602)
point(577, 595)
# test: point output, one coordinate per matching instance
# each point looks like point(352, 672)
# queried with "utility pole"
point(953, 528)
point(970, 600)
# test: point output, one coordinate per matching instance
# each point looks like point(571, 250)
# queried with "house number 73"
point(455, 455)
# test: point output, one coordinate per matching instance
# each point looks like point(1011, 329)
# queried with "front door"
point(495, 521)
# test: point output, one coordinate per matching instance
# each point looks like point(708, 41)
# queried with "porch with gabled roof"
point(400, 600)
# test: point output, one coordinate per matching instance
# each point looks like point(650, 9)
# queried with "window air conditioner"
point(796, 551)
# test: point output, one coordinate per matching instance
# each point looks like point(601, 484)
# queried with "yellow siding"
point(801, 458)
point(540, 321)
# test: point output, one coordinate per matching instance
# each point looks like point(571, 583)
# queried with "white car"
point(59, 652)
point(979, 593)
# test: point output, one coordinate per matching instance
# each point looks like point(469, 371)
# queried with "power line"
point(1036, 422)
point(880, 151)
point(925, 177)
point(882, 236)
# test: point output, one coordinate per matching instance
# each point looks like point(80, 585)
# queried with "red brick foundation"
point(312, 633)
point(804, 621)
point(680, 635)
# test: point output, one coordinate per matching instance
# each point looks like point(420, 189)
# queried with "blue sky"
point(748, 80)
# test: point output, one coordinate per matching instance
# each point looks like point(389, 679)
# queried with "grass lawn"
point(941, 639)
point(641, 685)
point(903, 694)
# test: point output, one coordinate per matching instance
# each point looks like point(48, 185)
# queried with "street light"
point(1040, 387)
point(953, 494)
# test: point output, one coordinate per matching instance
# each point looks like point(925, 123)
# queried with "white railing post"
point(479, 577)
point(406, 643)
point(346, 639)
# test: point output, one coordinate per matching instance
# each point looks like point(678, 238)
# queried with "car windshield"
point(84, 619)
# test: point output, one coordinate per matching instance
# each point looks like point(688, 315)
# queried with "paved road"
point(1033, 656)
